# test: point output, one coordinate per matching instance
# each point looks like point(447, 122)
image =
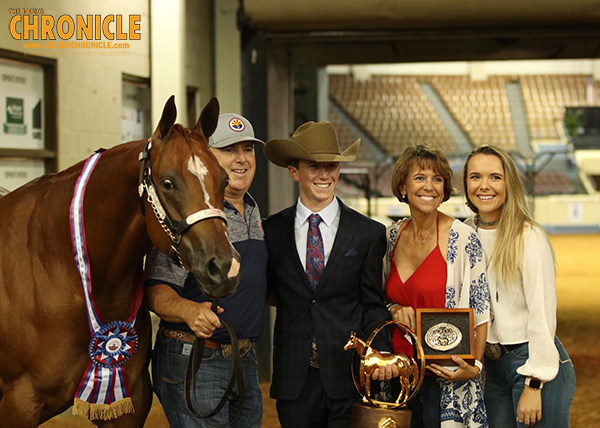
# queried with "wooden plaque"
point(446, 332)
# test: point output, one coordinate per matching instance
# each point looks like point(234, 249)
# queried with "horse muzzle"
point(220, 276)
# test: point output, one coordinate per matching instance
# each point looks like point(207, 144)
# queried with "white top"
point(328, 227)
point(526, 310)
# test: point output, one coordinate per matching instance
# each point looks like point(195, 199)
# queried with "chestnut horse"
point(44, 332)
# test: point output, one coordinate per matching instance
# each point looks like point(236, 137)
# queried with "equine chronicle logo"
point(44, 31)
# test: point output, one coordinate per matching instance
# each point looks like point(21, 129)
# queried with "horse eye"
point(167, 184)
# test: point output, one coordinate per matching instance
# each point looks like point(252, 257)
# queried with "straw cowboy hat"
point(312, 141)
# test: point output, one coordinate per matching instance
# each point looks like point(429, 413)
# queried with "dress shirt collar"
point(328, 214)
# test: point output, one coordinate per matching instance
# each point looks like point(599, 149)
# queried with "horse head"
point(352, 342)
point(190, 184)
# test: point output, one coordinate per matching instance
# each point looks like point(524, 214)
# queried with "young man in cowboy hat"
point(325, 273)
point(173, 294)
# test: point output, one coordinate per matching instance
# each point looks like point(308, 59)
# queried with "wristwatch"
point(534, 383)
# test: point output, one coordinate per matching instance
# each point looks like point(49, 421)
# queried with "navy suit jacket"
point(349, 297)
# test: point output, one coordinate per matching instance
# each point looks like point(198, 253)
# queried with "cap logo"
point(236, 125)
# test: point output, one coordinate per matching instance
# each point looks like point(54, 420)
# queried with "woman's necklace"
point(479, 221)
point(427, 235)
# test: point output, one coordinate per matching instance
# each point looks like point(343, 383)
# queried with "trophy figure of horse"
point(166, 191)
point(373, 359)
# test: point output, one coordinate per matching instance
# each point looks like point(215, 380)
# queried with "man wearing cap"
point(325, 270)
point(172, 293)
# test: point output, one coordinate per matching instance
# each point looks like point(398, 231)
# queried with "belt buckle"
point(244, 346)
point(493, 351)
point(314, 359)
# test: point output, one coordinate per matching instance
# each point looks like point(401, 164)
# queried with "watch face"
point(534, 383)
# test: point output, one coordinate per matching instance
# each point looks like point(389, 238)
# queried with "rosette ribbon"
point(103, 393)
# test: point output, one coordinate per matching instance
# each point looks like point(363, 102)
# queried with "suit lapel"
point(288, 242)
point(343, 237)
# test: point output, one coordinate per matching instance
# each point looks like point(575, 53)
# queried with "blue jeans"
point(169, 364)
point(503, 388)
point(425, 406)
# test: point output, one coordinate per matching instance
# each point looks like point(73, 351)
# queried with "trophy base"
point(365, 416)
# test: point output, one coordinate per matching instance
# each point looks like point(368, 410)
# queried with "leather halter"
point(174, 228)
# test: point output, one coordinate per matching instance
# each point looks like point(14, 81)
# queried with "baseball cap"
point(232, 128)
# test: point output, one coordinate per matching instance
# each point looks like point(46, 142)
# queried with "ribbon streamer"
point(103, 393)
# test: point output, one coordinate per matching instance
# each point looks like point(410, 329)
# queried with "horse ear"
point(167, 119)
point(207, 123)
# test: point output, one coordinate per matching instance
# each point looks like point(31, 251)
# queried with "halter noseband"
point(175, 229)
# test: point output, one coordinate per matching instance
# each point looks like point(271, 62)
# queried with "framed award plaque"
point(446, 332)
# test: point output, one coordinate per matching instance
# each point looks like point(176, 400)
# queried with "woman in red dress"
point(435, 261)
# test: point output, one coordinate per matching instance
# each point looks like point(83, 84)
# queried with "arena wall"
point(90, 81)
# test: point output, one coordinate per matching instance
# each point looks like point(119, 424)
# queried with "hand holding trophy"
point(381, 414)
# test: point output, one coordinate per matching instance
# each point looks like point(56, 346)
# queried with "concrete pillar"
point(167, 57)
point(280, 122)
point(228, 66)
point(596, 69)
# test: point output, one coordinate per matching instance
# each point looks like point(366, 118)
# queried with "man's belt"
point(244, 344)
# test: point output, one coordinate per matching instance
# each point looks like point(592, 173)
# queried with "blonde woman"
point(529, 377)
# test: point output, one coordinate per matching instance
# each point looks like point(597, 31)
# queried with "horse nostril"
point(214, 271)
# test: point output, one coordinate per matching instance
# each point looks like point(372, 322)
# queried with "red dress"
point(425, 288)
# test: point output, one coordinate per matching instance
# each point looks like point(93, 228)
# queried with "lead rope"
point(237, 375)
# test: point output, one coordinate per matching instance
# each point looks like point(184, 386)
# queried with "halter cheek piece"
point(175, 229)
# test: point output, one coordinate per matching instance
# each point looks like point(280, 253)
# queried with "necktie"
point(315, 256)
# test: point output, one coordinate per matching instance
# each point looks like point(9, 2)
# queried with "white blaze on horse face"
point(196, 167)
point(234, 269)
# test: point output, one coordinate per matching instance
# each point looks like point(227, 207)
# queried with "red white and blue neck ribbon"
point(103, 392)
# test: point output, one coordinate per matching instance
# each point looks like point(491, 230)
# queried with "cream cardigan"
point(525, 311)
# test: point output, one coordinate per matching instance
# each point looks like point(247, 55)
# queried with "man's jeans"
point(503, 388)
point(169, 364)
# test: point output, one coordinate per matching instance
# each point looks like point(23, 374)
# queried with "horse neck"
point(359, 345)
point(115, 226)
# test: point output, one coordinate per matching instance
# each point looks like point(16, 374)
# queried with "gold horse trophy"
point(372, 413)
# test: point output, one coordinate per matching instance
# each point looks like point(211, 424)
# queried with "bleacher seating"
point(393, 108)
point(549, 183)
point(397, 113)
point(480, 107)
point(546, 97)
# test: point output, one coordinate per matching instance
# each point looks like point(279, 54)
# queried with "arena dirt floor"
point(578, 289)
